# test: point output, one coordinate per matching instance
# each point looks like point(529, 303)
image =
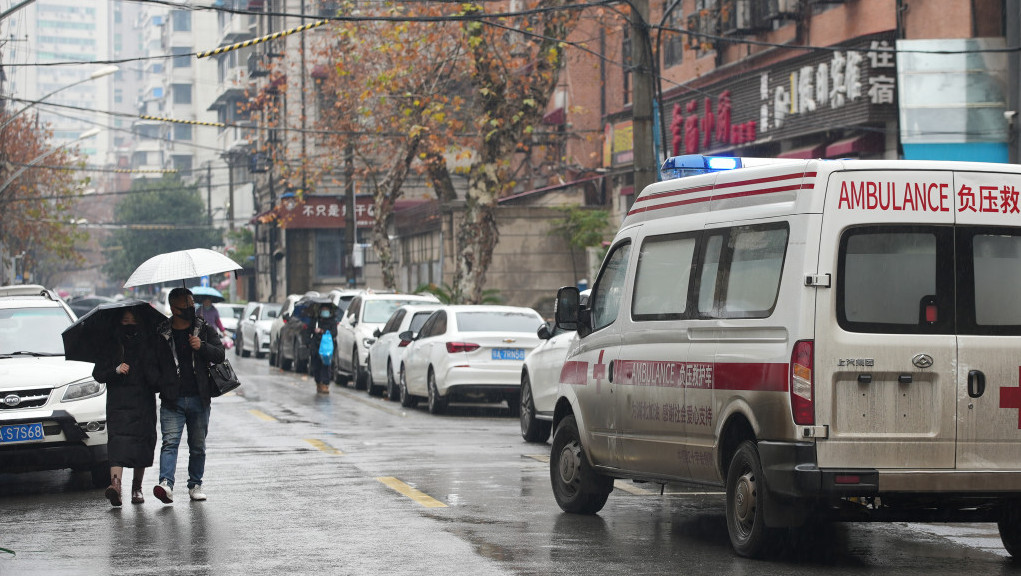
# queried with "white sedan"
point(468, 353)
point(386, 352)
point(253, 330)
point(540, 378)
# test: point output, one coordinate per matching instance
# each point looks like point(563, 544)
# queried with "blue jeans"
point(192, 412)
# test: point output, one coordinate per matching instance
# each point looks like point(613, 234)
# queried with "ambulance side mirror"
point(566, 308)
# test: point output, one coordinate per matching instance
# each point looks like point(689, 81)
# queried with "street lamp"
point(104, 71)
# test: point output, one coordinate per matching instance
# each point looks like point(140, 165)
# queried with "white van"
point(828, 339)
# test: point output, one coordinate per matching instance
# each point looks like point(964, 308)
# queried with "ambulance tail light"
point(802, 385)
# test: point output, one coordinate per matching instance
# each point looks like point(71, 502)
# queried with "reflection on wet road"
point(349, 484)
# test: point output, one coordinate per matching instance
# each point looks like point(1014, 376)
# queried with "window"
point(989, 265)
point(182, 132)
point(661, 282)
point(329, 253)
point(394, 322)
point(497, 322)
point(889, 280)
point(182, 58)
point(740, 270)
point(673, 40)
point(609, 288)
point(182, 93)
point(181, 20)
point(418, 320)
point(182, 163)
point(756, 264)
point(436, 325)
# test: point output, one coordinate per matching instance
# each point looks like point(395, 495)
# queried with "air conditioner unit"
point(781, 9)
point(708, 26)
point(743, 17)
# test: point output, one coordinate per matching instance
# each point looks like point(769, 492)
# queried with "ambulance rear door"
point(989, 320)
point(885, 350)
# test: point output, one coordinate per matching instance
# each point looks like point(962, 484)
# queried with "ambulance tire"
point(1010, 529)
point(577, 488)
point(746, 491)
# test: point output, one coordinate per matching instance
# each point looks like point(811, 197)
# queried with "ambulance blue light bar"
point(693, 164)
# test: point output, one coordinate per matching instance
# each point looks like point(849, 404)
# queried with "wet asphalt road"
point(348, 484)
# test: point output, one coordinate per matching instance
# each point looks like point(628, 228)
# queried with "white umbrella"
point(180, 265)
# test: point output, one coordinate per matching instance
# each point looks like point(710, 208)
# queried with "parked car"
point(296, 334)
point(230, 315)
point(540, 377)
point(388, 349)
point(367, 312)
point(53, 413)
point(161, 301)
point(253, 330)
point(468, 353)
point(342, 298)
point(81, 305)
point(286, 309)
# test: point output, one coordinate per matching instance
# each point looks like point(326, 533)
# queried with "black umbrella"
point(87, 339)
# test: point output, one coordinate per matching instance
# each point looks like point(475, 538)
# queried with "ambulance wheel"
point(576, 486)
point(532, 429)
point(746, 490)
point(1010, 529)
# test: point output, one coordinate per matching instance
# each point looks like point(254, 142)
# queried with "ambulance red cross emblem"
point(1011, 398)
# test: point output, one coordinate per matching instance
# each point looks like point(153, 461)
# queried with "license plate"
point(21, 433)
point(508, 353)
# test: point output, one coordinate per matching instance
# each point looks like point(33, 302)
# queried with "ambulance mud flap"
point(787, 467)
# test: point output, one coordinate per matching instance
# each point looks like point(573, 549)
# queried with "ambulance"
point(823, 339)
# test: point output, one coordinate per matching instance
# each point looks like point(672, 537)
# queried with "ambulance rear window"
point(989, 282)
point(894, 279)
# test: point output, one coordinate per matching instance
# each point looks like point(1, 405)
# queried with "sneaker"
point(196, 493)
point(136, 497)
point(113, 495)
point(164, 492)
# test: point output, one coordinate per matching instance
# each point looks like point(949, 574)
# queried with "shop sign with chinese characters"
point(852, 84)
point(324, 212)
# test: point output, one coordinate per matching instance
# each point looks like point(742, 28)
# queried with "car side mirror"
point(566, 307)
point(543, 332)
point(377, 333)
point(252, 318)
point(286, 316)
point(406, 338)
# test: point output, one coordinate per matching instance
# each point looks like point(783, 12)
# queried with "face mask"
point(188, 314)
point(129, 332)
point(325, 314)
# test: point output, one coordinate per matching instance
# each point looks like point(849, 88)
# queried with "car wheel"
point(273, 355)
point(437, 403)
point(258, 354)
point(240, 345)
point(532, 430)
point(237, 346)
point(407, 400)
point(300, 365)
point(100, 474)
point(577, 488)
point(357, 374)
point(1010, 529)
point(746, 491)
point(370, 383)
point(285, 363)
point(393, 393)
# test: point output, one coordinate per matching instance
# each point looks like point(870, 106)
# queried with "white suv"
point(52, 412)
point(356, 331)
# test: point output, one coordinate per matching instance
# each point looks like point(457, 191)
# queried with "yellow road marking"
point(416, 495)
point(262, 415)
point(320, 445)
point(539, 457)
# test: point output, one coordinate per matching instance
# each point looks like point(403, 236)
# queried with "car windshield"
point(497, 322)
point(229, 310)
point(379, 311)
point(32, 330)
point(270, 311)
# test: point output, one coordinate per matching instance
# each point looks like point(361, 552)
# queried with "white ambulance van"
point(826, 339)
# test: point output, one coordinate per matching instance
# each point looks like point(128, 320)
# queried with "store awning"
point(870, 143)
point(806, 153)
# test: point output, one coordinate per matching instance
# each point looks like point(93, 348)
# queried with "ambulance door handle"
point(976, 383)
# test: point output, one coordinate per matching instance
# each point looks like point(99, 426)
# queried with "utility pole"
point(209, 193)
point(230, 188)
point(350, 235)
point(645, 162)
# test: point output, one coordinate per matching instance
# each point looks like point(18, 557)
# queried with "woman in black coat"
point(131, 375)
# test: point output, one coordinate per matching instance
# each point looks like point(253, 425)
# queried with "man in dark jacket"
point(186, 345)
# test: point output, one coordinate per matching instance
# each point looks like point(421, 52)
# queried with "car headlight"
point(366, 342)
point(83, 390)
